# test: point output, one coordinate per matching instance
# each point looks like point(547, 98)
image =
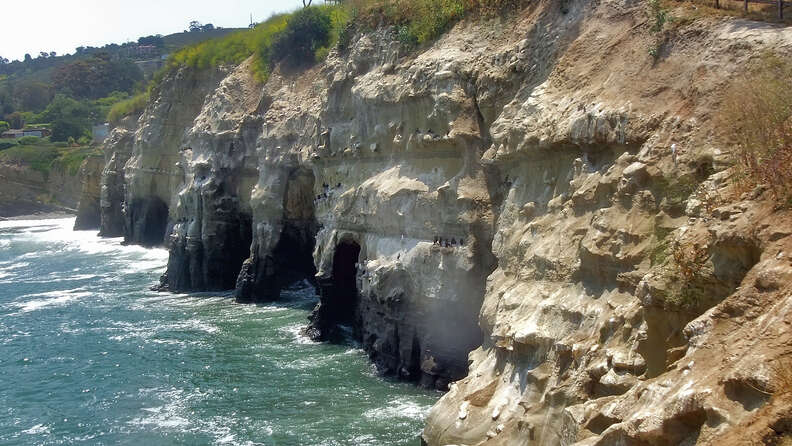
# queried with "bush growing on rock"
point(127, 107)
point(307, 31)
point(756, 116)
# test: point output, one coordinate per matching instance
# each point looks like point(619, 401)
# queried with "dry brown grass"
point(782, 377)
point(730, 8)
point(756, 117)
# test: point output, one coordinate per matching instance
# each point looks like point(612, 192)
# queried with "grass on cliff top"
point(127, 107)
point(422, 21)
point(44, 156)
point(319, 28)
point(306, 36)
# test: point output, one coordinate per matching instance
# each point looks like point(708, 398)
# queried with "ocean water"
point(88, 355)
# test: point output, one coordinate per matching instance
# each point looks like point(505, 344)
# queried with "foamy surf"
point(125, 365)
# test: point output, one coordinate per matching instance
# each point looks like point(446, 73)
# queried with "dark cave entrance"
point(291, 260)
point(345, 299)
point(337, 317)
point(147, 222)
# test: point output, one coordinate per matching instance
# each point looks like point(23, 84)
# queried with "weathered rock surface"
point(503, 207)
point(88, 209)
point(117, 150)
point(24, 190)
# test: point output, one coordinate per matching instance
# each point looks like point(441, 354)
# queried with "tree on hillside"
point(69, 118)
point(155, 40)
point(307, 3)
point(97, 77)
point(16, 120)
point(195, 26)
point(32, 95)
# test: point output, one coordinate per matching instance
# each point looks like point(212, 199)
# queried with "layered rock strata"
point(533, 206)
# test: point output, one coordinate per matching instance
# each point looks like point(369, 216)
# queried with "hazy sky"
point(32, 26)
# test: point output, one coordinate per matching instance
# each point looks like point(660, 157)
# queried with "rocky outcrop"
point(532, 206)
point(211, 233)
point(88, 209)
point(151, 175)
point(25, 190)
point(118, 149)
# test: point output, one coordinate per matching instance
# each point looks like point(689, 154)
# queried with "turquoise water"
point(89, 356)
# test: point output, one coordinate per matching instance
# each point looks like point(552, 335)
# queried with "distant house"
point(100, 132)
point(19, 133)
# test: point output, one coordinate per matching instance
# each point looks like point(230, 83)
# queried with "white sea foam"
point(60, 233)
point(399, 409)
point(296, 331)
point(52, 298)
point(37, 430)
point(146, 331)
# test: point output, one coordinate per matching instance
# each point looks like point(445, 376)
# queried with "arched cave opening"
point(344, 299)
point(337, 317)
point(291, 260)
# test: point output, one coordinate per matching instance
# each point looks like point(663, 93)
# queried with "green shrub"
point(29, 140)
point(4, 126)
point(306, 31)
point(660, 15)
point(231, 49)
point(39, 158)
point(307, 35)
point(71, 159)
point(132, 106)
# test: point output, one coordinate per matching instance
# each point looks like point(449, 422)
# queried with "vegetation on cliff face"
point(756, 116)
point(42, 156)
point(296, 37)
point(134, 105)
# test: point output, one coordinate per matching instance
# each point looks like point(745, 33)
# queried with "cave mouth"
point(342, 307)
point(156, 223)
point(147, 222)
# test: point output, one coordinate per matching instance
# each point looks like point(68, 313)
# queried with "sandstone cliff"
point(88, 208)
point(25, 190)
point(512, 207)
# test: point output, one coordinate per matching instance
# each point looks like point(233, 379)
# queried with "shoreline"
point(44, 215)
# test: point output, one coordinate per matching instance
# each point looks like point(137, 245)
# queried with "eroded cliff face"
point(88, 209)
point(112, 192)
point(532, 206)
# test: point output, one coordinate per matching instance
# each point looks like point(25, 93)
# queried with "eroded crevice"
point(271, 268)
point(338, 313)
